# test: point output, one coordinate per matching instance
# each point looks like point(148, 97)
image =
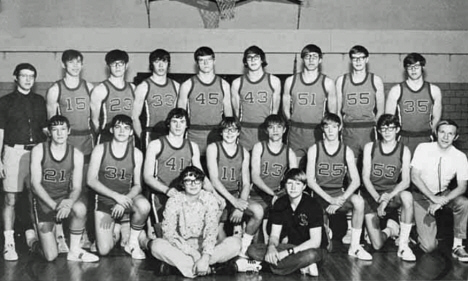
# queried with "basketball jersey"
point(255, 99)
point(118, 101)
point(230, 168)
point(415, 108)
point(117, 173)
point(159, 100)
point(57, 174)
point(358, 100)
point(330, 169)
point(74, 104)
point(386, 167)
point(205, 102)
point(172, 160)
point(308, 100)
point(273, 165)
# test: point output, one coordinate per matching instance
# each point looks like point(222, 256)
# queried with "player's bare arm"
point(332, 100)
point(52, 100)
point(392, 100)
point(287, 97)
point(276, 84)
point(140, 96)
point(379, 97)
point(97, 96)
point(227, 105)
point(437, 108)
point(353, 174)
point(235, 99)
point(183, 94)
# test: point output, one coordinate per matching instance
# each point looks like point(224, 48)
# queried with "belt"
point(27, 147)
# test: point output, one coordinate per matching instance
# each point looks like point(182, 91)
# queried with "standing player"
point(157, 95)
point(113, 96)
point(434, 165)
point(23, 116)
point(307, 96)
point(228, 167)
point(328, 162)
point(386, 176)
point(419, 103)
point(114, 173)
point(270, 160)
point(255, 96)
point(56, 175)
point(206, 97)
point(361, 101)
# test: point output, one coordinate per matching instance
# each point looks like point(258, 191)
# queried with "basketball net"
point(210, 18)
point(226, 8)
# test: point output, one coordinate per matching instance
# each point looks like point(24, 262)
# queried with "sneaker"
point(360, 253)
point(225, 268)
point(9, 253)
point(406, 254)
point(311, 270)
point(82, 256)
point(460, 253)
point(247, 265)
point(135, 251)
point(347, 238)
point(394, 228)
point(62, 245)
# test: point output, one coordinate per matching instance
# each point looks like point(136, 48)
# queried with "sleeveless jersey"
point(57, 174)
point(118, 101)
point(308, 100)
point(273, 165)
point(172, 160)
point(386, 167)
point(159, 100)
point(358, 100)
point(330, 169)
point(415, 108)
point(117, 173)
point(255, 99)
point(230, 167)
point(74, 104)
point(205, 102)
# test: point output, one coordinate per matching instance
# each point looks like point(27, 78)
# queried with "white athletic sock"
point(387, 232)
point(59, 231)
point(133, 240)
point(355, 237)
point(9, 237)
point(246, 241)
point(457, 242)
point(75, 242)
point(405, 229)
point(31, 237)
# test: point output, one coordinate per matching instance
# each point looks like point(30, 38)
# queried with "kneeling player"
point(384, 163)
point(55, 168)
point(328, 162)
point(114, 173)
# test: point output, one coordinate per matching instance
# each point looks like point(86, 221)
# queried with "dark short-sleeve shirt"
point(296, 224)
point(22, 117)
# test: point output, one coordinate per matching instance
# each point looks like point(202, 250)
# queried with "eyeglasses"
point(117, 64)
point(388, 129)
point(358, 59)
point(192, 182)
point(253, 58)
point(311, 57)
point(230, 130)
point(24, 76)
point(414, 66)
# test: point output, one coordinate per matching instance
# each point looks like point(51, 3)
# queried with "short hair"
point(330, 117)
point(122, 119)
point(177, 113)
point(413, 58)
point(358, 49)
point(274, 119)
point(159, 54)
point(387, 120)
point(228, 122)
point(57, 120)
point(295, 174)
point(203, 51)
point(22, 66)
point(257, 51)
point(191, 171)
point(311, 48)
point(116, 55)
point(447, 122)
point(71, 54)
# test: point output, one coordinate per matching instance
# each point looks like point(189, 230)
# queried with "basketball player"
point(206, 97)
point(113, 96)
point(255, 96)
point(56, 175)
point(307, 96)
point(361, 101)
point(386, 176)
point(157, 95)
point(228, 166)
point(419, 103)
point(114, 173)
point(270, 160)
point(328, 161)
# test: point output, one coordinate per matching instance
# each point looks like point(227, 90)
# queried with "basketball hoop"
point(210, 18)
point(226, 9)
